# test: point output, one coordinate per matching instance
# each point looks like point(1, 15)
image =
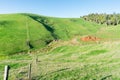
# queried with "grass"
point(59, 56)
point(17, 29)
point(99, 62)
point(13, 33)
point(66, 28)
point(109, 32)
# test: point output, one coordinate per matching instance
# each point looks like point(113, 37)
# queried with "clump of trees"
point(108, 19)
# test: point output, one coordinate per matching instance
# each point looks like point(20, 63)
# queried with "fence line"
point(26, 72)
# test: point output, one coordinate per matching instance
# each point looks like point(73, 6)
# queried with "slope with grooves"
point(42, 21)
point(13, 33)
point(66, 28)
point(42, 31)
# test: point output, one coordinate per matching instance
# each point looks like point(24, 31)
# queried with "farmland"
point(57, 44)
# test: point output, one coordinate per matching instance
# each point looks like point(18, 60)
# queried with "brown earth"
point(90, 38)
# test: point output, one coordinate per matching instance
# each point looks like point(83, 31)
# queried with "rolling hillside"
point(57, 46)
point(19, 32)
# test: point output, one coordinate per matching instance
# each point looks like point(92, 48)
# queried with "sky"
point(60, 8)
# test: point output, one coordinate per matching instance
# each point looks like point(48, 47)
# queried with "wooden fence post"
point(6, 72)
point(36, 60)
point(29, 72)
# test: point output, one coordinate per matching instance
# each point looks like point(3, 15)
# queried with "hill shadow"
point(51, 30)
point(47, 27)
point(30, 45)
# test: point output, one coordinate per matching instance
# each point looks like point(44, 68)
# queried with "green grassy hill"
point(17, 29)
point(57, 44)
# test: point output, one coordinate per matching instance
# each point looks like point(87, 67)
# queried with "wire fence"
point(27, 72)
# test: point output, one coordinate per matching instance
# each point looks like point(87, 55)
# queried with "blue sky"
point(60, 8)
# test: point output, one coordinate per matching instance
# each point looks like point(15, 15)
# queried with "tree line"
point(108, 19)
